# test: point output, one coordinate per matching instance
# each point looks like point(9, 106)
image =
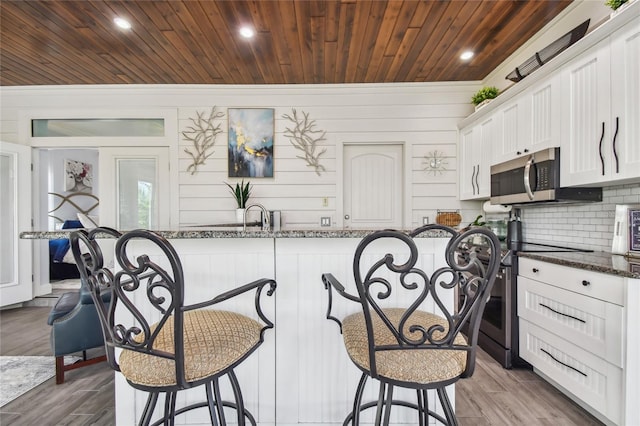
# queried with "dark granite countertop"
point(607, 263)
point(215, 232)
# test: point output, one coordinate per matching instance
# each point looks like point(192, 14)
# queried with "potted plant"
point(483, 96)
point(241, 193)
point(615, 4)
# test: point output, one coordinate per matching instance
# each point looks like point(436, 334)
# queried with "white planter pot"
point(239, 218)
point(483, 103)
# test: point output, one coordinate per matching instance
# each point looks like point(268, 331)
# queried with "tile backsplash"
point(588, 226)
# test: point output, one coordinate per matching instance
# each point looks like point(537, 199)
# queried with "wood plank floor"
point(493, 396)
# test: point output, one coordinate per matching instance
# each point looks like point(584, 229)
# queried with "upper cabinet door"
point(544, 115)
point(531, 122)
point(601, 123)
point(15, 217)
point(625, 101)
point(584, 155)
point(475, 154)
point(514, 134)
point(134, 188)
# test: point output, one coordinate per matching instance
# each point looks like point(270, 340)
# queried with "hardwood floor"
point(493, 396)
point(86, 397)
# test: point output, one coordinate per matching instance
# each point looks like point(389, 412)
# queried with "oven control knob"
point(535, 270)
point(585, 283)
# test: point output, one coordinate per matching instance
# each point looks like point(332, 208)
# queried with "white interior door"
point(15, 216)
point(134, 188)
point(373, 194)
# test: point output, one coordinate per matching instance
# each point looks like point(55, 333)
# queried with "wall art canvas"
point(78, 176)
point(251, 142)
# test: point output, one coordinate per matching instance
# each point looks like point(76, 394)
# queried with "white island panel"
point(316, 381)
point(210, 268)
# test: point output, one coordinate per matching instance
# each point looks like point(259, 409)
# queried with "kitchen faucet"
point(265, 217)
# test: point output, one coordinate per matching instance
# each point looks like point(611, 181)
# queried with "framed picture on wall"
point(78, 176)
point(251, 132)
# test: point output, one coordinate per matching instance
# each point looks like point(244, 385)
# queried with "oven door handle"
point(527, 182)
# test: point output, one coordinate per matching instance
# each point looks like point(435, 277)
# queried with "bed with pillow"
point(62, 265)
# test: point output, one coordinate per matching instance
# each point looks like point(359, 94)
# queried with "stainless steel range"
point(499, 326)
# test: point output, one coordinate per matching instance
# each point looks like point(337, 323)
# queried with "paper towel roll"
point(495, 208)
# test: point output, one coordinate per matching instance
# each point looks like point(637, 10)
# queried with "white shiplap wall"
point(423, 117)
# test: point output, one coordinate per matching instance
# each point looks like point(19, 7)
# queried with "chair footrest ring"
point(397, 403)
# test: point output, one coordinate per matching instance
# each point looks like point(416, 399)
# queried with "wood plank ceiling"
point(190, 41)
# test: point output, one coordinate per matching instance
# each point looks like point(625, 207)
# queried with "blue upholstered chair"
point(75, 327)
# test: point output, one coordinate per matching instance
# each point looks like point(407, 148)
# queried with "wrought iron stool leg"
point(219, 405)
point(446, 406)
point(379, 407)
point(424, 415)
point(387, 408)
point(211, 403)
point(152, 399)
point(237, 392)
point(170, 408)
point(420, 408)
point(357, 401)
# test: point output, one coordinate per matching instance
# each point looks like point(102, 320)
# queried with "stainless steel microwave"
point(535, 178)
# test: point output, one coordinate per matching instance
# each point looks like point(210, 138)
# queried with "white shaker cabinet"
point(530, 122)
point(475, 154)
point(601, 111)
point(579, 330)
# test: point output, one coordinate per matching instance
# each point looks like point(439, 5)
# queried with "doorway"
point(373, 190)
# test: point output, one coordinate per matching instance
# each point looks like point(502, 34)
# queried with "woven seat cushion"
point(422, 366)
point(213, 341)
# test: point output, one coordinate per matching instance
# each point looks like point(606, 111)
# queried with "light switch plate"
point(325, 221)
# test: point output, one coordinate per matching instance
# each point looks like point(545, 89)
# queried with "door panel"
point(134, 188)
point(373, 186)
point(15, 216)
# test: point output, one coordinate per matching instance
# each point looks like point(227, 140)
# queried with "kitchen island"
point(302, 373)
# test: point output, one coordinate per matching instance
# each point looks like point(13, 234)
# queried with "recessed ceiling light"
point(122, 23)
point(466, 55)
point(247, 32)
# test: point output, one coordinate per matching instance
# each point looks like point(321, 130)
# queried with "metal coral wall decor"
point(202, 133)
point(305, 137)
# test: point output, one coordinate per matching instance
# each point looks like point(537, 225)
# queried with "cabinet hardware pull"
point(535, 270)
point(600, 148)
point(526, 150)
point(561, 313)
point(518, 153)
point(560, 362)
point(473, 175)
point(477, 184)
point(585, 283)
point(615, 151)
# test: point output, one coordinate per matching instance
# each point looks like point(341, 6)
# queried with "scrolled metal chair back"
point(472, 278)
point(95, 277)
point(144, 297)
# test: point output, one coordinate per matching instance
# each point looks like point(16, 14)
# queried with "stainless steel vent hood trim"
point(560, 195)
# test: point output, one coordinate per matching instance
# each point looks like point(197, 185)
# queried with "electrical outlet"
point(425, 220)
point(325, 202)
point(325, 221)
